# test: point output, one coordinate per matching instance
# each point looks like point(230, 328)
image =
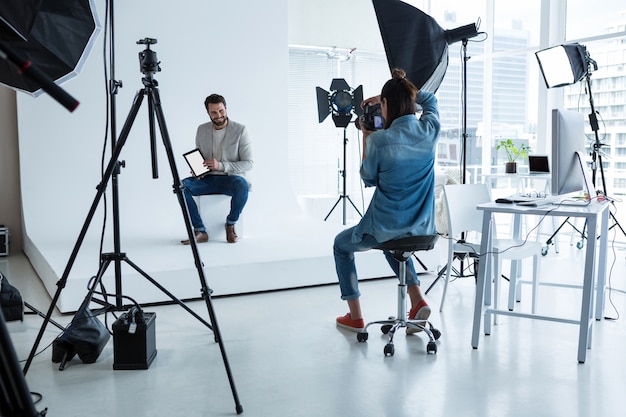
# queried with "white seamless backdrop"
point(236, 48)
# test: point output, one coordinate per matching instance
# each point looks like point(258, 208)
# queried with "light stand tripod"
point(15, 397)
point(149, 65)
point(343, 197)
point(596, 158)
point(460, 257)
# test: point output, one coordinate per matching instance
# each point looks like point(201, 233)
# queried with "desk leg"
point(485, 245)
point(602, 256)
point(586, 320)
point(516, 264)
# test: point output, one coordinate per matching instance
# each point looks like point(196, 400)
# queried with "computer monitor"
point(568, 137)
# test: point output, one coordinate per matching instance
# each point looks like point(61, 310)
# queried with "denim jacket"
point(400, 163)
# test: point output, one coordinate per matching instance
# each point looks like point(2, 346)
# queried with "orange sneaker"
point(420, 312)
point(348, 323)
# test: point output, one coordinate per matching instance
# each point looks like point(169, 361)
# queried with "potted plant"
point(512, 153)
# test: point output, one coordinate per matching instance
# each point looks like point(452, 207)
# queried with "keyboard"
point(527, 200)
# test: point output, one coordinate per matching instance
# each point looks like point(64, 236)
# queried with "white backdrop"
point(235, 48)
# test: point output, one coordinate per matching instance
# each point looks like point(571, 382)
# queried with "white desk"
point(522, 183)
point(595, 214)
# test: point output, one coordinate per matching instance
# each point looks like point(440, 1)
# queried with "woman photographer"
point(399, 161)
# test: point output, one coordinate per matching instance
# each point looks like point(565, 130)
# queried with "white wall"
point(10, 206)
point(236, 48)
point(338, 23)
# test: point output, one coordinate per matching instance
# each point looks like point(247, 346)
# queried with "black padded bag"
point(10, 300)
point(85, 336)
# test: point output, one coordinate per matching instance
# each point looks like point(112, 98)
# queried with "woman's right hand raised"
point(370, 101)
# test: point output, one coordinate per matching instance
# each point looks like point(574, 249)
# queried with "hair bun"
point(398, 73)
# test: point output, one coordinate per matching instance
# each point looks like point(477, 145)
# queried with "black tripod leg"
point(616, 223)
point(420, 262)
point(206, 291)
point(439, 275)
point(83, 232)
point(357, 210)
point(40, 314)
point(16, 396)
point(332, 209)
point(168, 293)
point(549, 241)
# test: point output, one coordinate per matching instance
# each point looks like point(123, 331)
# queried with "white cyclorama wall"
point(235, 48)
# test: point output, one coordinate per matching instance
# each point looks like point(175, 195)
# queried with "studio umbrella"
point(414, 42)
point(58, 44)
point(17, 19)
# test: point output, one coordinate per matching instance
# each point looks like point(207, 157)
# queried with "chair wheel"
point(385, 328)
point(544, 250)
point(579, 245)
point(389, 349)
point(431, 347)
point(436, 333)
point(362, 336)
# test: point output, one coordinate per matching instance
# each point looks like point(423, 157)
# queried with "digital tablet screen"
point(195, 160)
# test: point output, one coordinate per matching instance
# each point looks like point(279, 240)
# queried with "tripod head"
point(592, 65)
point(148, 61)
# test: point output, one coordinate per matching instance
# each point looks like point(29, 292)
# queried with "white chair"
point(461, 201)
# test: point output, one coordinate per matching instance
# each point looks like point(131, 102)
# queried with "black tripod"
point(149, 65)
point(343, 196)
point(596, 160)
point(596, 156)
point(464, 136)
point(15, 397)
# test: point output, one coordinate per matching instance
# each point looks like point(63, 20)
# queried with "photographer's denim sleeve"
point(400, 164)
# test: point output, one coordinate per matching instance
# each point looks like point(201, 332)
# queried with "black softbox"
point(17, 19)
point(59, 35)
point(414, 42)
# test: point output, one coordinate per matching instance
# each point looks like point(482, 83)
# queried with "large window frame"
point(316, 149)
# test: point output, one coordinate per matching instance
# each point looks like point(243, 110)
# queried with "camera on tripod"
point(371, 119)
point(148, 58)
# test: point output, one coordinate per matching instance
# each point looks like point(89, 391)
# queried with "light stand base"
point(343, 197)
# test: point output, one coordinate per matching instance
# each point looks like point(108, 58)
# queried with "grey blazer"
point(236, 147)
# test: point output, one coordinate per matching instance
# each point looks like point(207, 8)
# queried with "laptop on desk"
point(561, 200)
point(538, 165)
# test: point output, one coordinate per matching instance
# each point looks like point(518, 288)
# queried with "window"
point(504, 91)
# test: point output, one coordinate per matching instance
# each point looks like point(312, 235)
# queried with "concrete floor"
point(288, 358)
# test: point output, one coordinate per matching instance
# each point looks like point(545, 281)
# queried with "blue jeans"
point(232, 185)
point(344, 250)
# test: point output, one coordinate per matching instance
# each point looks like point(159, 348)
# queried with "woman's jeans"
point(344, 250)
point(232, 185)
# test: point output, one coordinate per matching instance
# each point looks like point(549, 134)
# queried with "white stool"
point(213, 209)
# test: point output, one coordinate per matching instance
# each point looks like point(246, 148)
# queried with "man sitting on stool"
point(227, 151)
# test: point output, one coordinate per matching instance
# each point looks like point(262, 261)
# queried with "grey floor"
point(288, 358)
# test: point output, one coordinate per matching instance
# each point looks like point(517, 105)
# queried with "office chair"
point(401, 250)
point(461, 201)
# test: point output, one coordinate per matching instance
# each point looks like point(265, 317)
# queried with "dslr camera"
point(371, 119)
